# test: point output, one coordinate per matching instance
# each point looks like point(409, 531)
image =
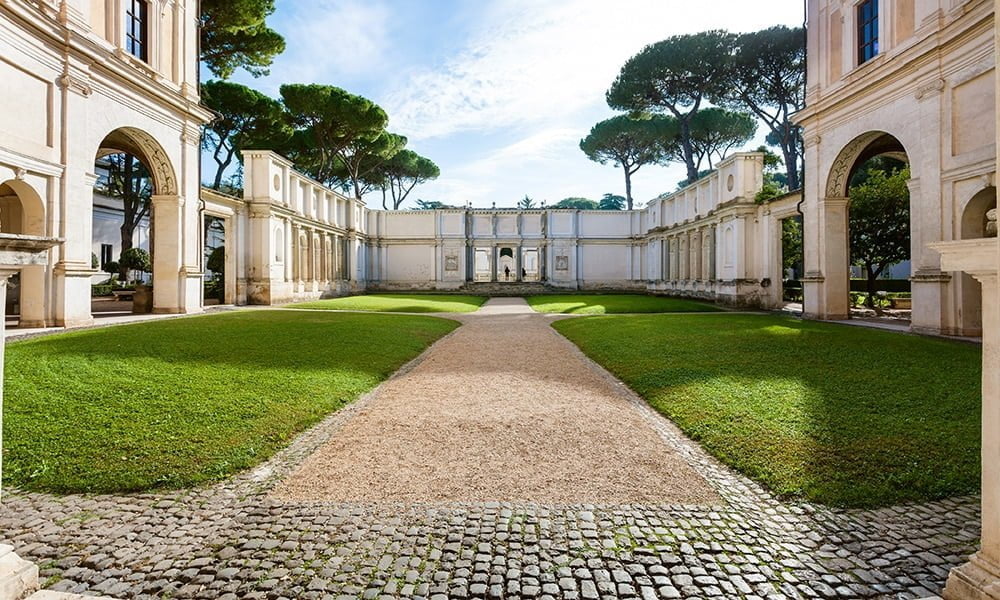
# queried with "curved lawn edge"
point(183, 402)
point(601, 304)
point(841, 416)
point(402, 303)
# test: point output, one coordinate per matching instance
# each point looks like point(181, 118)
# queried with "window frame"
point(867, 47)
point(137, 29)
point(107, 254)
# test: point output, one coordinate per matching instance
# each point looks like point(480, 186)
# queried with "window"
point(137, 28)
point(106, 254)
point(867, 30)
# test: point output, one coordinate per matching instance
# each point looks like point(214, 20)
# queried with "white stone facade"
point(78, 94)
point(297, 240)
point(922, 98)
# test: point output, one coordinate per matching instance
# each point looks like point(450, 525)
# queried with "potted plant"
point(137, 261)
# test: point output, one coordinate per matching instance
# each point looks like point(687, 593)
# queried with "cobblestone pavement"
point(234, 540)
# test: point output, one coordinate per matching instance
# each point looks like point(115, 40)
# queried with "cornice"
point(30, 164)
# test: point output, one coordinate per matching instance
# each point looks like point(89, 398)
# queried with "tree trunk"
point(791, 166)
point(223, 165)
point(127, 228)
point(692, 169)
point(872, 277)
point(628, 188)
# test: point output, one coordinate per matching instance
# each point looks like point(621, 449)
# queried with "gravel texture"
point(504, 409)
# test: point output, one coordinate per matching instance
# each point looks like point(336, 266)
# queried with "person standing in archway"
point(506, 273)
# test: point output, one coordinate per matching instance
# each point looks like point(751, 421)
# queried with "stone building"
point(294, 239)
point(87, 78)
point(916, 81)
point(911, 80)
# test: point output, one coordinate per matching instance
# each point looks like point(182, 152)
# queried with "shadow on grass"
point(596, 304)
point(254, 340)
point(179, 402)
point(839, 415)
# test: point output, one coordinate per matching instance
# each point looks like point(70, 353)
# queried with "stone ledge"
point(49, 595)
point(18, 577)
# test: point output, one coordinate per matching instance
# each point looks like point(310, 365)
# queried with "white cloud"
point(330, 40)
point(529, 62)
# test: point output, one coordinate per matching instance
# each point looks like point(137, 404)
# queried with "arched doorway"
point(22, 212)
point(506, 265)
point(136, 234)
point(973, 226)
point(217, 287)
point(867, 225)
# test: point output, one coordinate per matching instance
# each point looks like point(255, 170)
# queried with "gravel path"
point(504, 409)
point(246, 538)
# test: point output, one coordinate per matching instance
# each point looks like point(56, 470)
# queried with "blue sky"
point(497, 92)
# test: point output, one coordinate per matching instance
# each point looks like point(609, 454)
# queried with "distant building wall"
point(709, 240)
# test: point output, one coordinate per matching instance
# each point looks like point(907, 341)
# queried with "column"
point(238, 246)
point(932, 311)
point(168, 253)
point(295, 257)
point(696, 255)
point(288, 251)
point(979, 579)
point(827, 289)
point(34, 296)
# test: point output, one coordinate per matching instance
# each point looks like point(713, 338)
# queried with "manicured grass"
point(174, 403)
point(840, 415)
point(414, 303)
point(601, 304)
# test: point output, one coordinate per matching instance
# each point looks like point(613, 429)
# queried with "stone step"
point(18, 577)
point(47, 595)
point(513, 288)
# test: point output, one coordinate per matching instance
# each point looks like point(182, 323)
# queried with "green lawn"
point(601, 304)
point(174, 403)
point(414, 303)
point(840, 415)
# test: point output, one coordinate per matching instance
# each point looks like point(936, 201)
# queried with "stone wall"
point(710, 240)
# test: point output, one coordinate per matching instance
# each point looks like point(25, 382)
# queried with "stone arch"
point(145, 147)
point(302, 258)
point(856, 152)
point(973, 223)
point(728, 245)
point(279, 244)
point(22, 210)
point(973, 226)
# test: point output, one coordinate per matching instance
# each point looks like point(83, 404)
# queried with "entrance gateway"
point(513, 264)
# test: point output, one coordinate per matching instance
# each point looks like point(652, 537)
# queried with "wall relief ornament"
point(836, 186)
point(930, 89)
point(157, 160)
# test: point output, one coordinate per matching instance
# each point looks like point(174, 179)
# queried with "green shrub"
point(101, 289)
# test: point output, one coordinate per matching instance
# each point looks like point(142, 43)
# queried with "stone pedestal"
point(979, 579)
